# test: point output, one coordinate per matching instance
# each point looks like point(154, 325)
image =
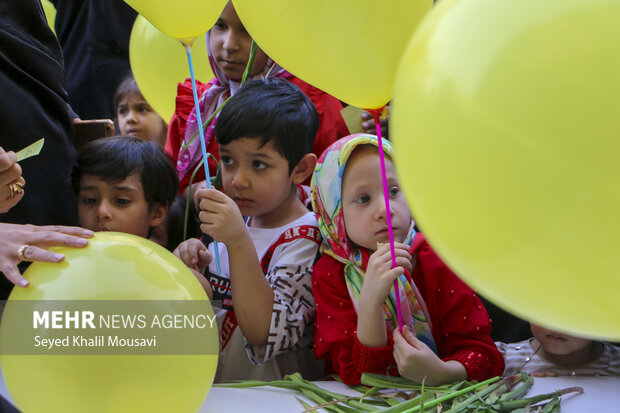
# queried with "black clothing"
point(33, 105)
point(109, 28)
point(86, 98)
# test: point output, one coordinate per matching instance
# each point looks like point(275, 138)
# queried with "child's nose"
point(103, 211)
point(240, 179)
point(231, 41)
point(380, 210)
point(132, 116)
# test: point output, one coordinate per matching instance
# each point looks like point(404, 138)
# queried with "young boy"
point(265, 135)
point(123, 184)
point(551, 354)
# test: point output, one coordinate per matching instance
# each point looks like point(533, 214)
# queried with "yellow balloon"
point(113, 266)
point(348, 48)
point(50, 13)
point(505, 128)
point(159, 63)
point(182, 19)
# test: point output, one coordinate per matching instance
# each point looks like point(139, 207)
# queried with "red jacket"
point(331, 124)
point(461, 325)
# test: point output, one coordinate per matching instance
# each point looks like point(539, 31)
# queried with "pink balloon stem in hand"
point(376, 114)
point(203, 146)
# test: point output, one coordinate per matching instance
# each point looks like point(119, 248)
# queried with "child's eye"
point(88, 200)
point(122, 201)
point(394, 191)
point(221, 26)
point(362, 199)
point(144, 109)
point(226, 160)
point(122, 111)
point(259, 165)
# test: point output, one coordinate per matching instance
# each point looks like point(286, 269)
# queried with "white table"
point(601, 394)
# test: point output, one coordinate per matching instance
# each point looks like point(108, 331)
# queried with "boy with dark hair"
point(123, 184)
point(265, 135)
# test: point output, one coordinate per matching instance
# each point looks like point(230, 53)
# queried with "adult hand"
point(11, 181)
point(32, 242)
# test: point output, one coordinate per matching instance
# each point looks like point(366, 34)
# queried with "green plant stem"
point(500, 386)
point(509, 406)
point(248, 68)
point(204, 125)
point(189, 198)
point(412, 407)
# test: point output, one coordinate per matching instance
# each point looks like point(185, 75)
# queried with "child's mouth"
point(241, 202)
point(556, 337)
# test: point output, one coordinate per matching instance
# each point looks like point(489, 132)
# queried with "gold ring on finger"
point(21, 251)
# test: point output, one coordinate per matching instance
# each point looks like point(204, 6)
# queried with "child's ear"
point(304, 168)
point(158, 214)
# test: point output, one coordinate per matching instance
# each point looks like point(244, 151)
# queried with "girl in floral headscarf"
point(228, 47)
point(446, 334)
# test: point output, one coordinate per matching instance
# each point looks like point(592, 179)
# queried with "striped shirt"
point(523, 357)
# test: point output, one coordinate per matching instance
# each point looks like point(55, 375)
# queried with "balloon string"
point(376, 114)
point(203, 145)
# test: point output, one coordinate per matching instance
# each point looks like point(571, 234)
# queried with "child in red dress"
point(446, 334)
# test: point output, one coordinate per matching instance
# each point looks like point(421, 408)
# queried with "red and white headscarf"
point(326, 196)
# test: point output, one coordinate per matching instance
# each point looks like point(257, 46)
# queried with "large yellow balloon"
point(182, 19)
point(505, 126)
point(159, 63)
point(113, 266)
point(348, 48)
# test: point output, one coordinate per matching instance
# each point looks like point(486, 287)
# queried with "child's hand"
point(417, 362)
point(194, 254)
point(380, 275)
point(220, 216)
point(197, 186)
point(368, 124)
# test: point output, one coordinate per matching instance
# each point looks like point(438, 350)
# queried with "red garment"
point(331, 124)
point(460, 323)
point(176, 131)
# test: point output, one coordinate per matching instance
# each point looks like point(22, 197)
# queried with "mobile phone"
point(91, 129)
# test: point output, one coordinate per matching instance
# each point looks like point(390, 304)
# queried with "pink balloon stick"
point(388, 215)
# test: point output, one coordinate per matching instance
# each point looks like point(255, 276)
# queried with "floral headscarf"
point(219, 89)
point(327, 203)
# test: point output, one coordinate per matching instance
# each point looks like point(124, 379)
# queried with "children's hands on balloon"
point(220, 217)
point(380, 275)
point(194, 254)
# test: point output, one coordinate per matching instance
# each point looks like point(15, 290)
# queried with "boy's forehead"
point(130, 183)
point(254, 146)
